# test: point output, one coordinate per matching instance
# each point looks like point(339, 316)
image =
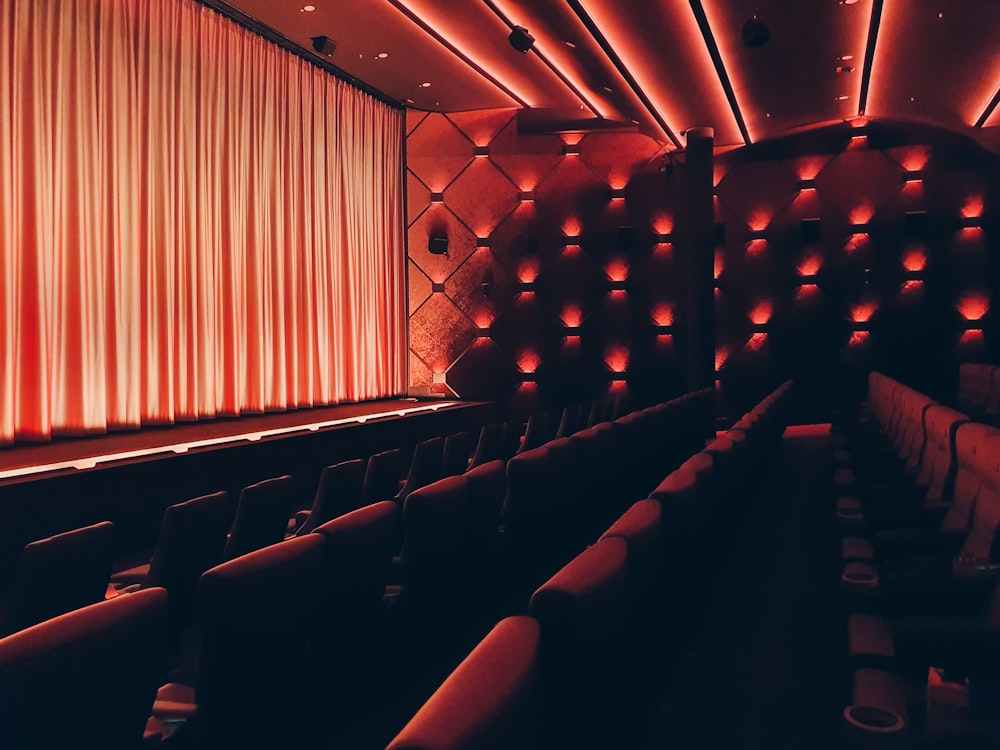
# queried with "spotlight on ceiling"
point(520, 39)
point(324, 45)
point(755, 33)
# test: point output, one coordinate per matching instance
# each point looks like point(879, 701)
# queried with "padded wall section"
point(837, 251)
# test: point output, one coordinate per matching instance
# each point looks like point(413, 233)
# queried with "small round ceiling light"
point(307, 9)
point(381, 55)
point(425, 85)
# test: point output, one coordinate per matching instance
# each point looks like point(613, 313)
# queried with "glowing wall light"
point(761, 313)
point(973, 305)
point(571, 316)
point(528, 362)
point(859, 338)
point(756, 342)
point(860, 215)
point(914, 158)
point(759, 221)
point(721, 355)
point(807, 292)
point(663, 225)
point(810, 265)
point(857, 241)
point(617, 270)
point(972, 208)
point(914, 260)
point(616, 359)
point(663, 315)
point(719, 264)
point(527, 270)
point(863, 312)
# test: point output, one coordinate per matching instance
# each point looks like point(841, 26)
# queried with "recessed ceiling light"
point(848, 2)
point(767, 114)
point(845, 58)
point(307, 9)
point(408, 100)
point(381, 55)
point(425, 85)
point(570, 44)
point(842, 97)
point(609, 89)
point(940, 15)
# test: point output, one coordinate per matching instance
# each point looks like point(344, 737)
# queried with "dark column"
point(700, 251)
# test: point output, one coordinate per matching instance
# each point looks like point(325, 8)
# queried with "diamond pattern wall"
point(836, 253)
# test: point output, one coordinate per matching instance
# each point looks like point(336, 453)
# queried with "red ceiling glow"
point(617, 270)
point(572, 316)
point(663, 314)
point(756, 247)
point(616, 359)
point(914, 260)
point(862, 214)
point(527, 270)
point(810, 265)
point(528, 361)
point(974, 305)
point(761, 314)
point(863, 311)
point(973, 207)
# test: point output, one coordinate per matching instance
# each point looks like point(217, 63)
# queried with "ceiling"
point(668, 65)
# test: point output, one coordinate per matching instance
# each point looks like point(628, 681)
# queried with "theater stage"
point(129, 478)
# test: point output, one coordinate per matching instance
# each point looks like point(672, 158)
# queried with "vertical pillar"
point(700, 251)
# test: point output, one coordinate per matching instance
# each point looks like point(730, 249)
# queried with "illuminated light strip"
point(560, 73)
point(458, 52)
point(866, 75)
point(89, 462)
point(720, 67)
point(990, 108)
point(623, 70)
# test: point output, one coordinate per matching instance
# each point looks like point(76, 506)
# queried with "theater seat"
point(58, 574)
point(456, 452)
point(261, 516)
point(85, 679)
point(490, 445)
point(338, 492)
point(489, 702)
point(425, 466)
point(191, 540)
point(382, 474)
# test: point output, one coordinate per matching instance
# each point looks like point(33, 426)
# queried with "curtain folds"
point(193, 223)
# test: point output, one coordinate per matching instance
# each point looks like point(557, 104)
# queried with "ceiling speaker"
point(324, 45)
point(520, 39)
point(755, 33)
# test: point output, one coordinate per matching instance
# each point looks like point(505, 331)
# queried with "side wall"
point(838, 251)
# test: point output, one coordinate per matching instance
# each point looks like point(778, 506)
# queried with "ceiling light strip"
point(720, 67)
point(990, 108)
point(623, 70)
point(444, 41)
point(548, 62)
point(866, 75)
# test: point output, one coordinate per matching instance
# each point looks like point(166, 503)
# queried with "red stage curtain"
point(193, 222)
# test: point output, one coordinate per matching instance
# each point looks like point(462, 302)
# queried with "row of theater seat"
point(378, 529)
point(578, 668)
point(979, 391)
point(919, 503)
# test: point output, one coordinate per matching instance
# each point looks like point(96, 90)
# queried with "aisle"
point(762, 672)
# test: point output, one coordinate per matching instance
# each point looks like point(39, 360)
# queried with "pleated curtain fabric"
point(193, 222)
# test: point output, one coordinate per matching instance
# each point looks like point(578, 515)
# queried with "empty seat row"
point(576, 670)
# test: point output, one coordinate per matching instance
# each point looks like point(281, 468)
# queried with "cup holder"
point(873, 721)
point(843, 477)
point(859, 577)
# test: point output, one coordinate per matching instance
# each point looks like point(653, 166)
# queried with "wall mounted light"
point(437, 244)
point(571, 149)
point(526, 196)
point(437, 287)
point(482, 151)
point(437, 197)
point(807, 184)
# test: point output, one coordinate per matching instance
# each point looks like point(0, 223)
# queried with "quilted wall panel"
point(836, 253)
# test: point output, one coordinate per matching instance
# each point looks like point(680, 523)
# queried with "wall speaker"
point(324, 45)
point(438, 245)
